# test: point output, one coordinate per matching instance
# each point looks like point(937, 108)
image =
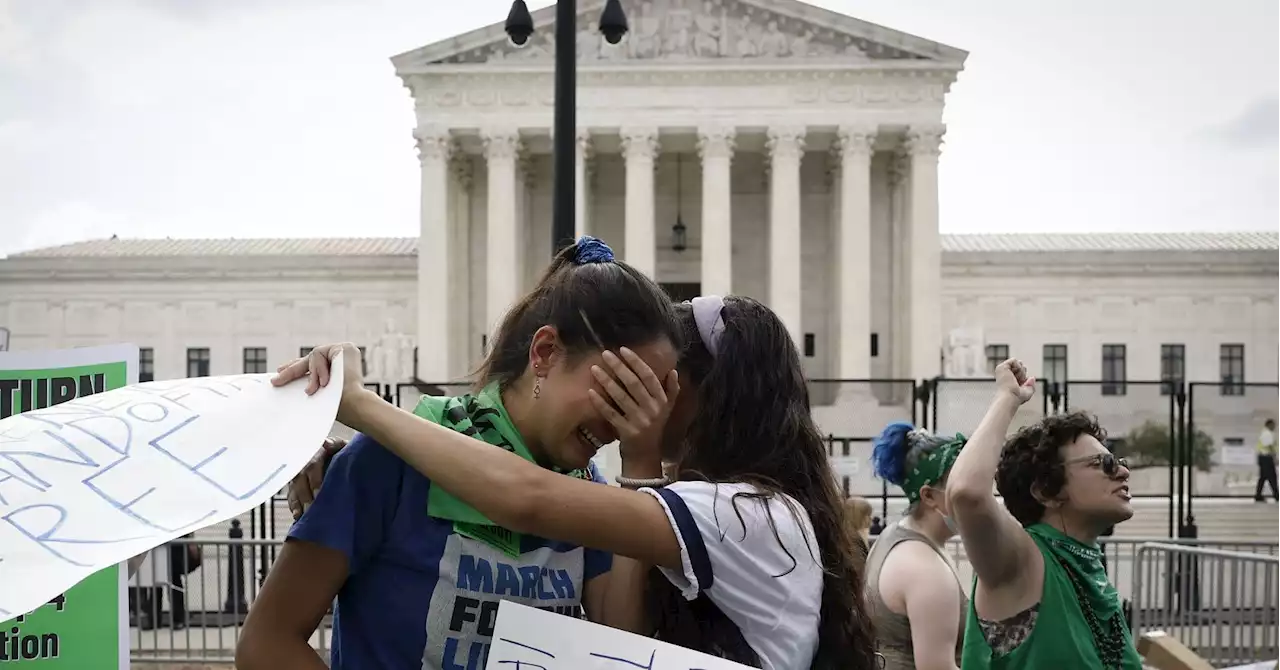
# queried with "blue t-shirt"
point(418, 595)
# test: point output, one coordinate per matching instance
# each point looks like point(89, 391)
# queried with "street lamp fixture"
point(519, 24)
point(519, 27)
point(613, 22)
point(679, 235)
point(679, 232)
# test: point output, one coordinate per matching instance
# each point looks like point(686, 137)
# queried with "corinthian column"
point(924, 144)
point(502, 240)
point(640, 148)
point(786, 148)
point(853, 248)
point(715, 146)
point(434, 257)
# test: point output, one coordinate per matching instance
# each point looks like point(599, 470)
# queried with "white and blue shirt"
point(756, 559)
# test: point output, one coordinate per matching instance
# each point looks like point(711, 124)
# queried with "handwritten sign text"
point(88, 482)
point(527, 638)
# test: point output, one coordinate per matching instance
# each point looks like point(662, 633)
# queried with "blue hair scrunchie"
point(592, 250)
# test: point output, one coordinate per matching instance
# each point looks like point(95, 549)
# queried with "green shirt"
point(1062, 637)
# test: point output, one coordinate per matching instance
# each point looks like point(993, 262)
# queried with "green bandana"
point(932, 468)
point(483, 417)
point(1098, 598)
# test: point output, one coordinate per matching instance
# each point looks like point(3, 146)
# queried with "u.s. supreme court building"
point(758, 147)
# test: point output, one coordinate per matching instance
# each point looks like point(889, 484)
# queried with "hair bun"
point(889, 452)
point(592, 250)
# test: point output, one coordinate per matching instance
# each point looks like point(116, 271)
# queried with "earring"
point(537, 387)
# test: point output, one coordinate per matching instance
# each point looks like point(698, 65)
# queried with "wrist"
point(354, 408)
point(640, 462)
point(1007, 400)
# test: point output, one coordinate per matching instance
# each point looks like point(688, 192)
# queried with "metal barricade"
point(1221, 604)
point(184, 609)
point(189, 598)
point(1119, 556)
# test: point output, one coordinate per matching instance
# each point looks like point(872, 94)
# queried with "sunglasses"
point(1109, 464)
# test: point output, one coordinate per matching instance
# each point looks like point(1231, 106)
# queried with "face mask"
point(951, 525)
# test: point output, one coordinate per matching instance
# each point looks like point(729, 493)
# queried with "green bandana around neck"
point(1098, 598)
point(1085, 561)
point(932, 467)
point(483, 417)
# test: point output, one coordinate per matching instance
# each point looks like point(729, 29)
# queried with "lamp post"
point(519, 26)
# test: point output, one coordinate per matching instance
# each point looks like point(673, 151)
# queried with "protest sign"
point(86, 484)
point(534, 639)
point(88, 623)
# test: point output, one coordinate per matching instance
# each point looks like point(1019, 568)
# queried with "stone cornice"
point(536, 76)
point(818, 99)
point(1111, 264)
point(604, 72)
point(316, 268)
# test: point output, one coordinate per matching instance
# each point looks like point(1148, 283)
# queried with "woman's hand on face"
point(316, 366)
point(645, 402)
point(304, 487)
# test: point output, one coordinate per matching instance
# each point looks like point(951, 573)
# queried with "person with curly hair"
point(1041, 597)
point(917, 601)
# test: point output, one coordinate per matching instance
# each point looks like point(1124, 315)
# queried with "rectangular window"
point(1055, 366)
point(146, 364)
point(255, 360)
point(303, 352)
point(364, 361)
point(1173, 366)
point(197, 362)
point(875, 345)
point(996, 354)
point(1113, 369)
point(810, 342)
point(1231, 362)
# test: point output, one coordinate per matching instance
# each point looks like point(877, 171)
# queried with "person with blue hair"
point(916, 599)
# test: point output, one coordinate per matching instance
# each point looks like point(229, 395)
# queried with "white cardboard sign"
point(527, 638)
point(94, 481)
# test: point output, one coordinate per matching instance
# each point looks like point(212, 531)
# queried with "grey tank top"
point(893, 631)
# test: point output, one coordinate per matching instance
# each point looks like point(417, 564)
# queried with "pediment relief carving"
point(676, 30)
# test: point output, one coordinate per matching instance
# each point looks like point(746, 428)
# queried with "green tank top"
point(1062, 636)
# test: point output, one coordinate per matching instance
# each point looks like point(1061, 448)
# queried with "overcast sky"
point(213, 118)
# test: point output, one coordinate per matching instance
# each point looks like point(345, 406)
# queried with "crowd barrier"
point(212, 598)
point(1222, 604)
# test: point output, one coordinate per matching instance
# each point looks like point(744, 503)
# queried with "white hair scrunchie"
point(706, 313)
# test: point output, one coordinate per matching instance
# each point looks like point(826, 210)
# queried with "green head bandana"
point(483, 417)
point(932, 467)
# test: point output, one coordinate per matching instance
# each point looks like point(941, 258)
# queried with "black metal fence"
point(1182, 440)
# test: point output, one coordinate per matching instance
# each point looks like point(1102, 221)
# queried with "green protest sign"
point(87, 627)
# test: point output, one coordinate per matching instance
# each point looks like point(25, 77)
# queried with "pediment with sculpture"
point(676, 30)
